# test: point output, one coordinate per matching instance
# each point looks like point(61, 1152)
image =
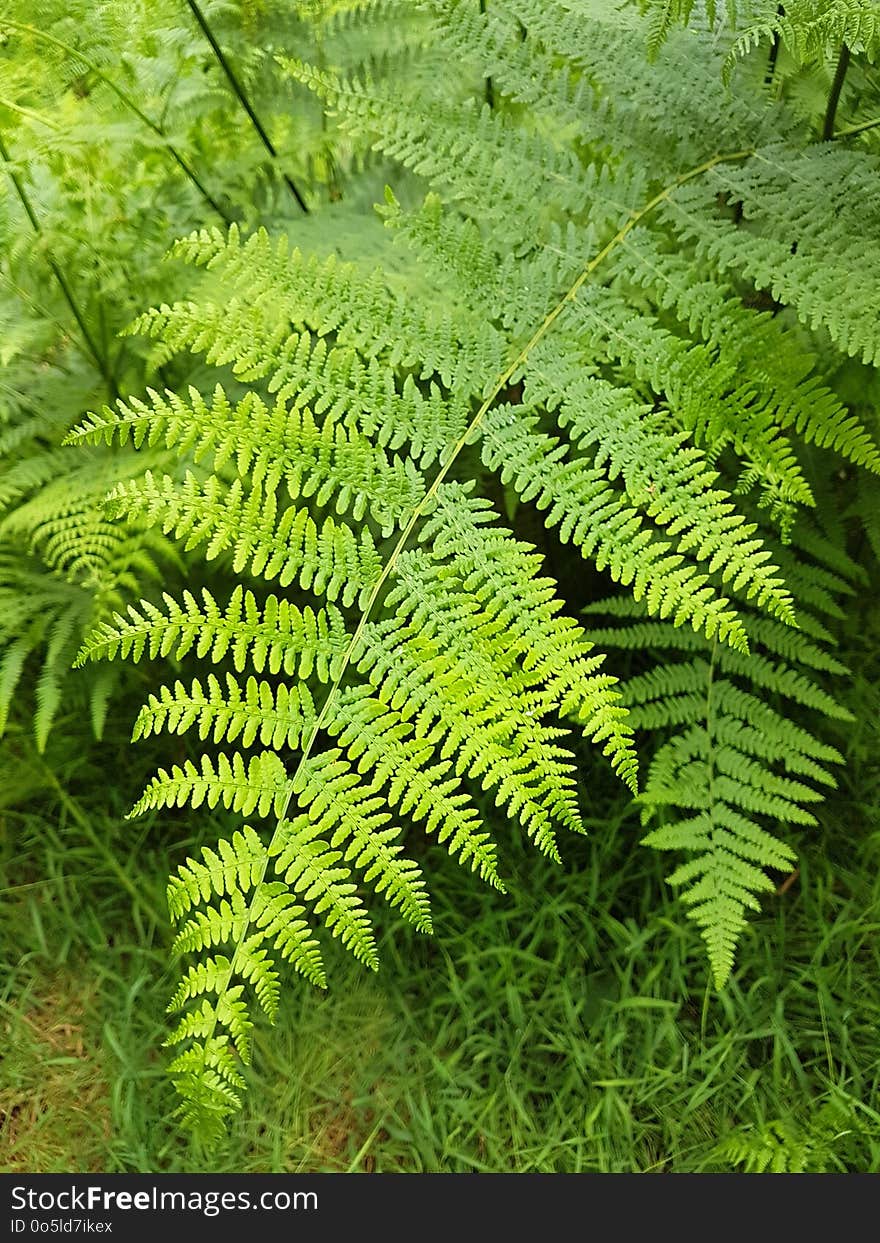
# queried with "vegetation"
point(540, 496)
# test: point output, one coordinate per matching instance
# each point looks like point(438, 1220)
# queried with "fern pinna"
point(570, 312)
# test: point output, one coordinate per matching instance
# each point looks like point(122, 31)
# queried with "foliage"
point(118, 134)
point(809, 29)
point(350, 485)
point(734, 759)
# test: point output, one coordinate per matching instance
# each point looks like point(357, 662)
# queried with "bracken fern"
point(627, 332)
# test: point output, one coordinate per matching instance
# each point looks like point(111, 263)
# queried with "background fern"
point(735, 764)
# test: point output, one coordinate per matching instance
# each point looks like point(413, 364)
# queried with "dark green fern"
point(733, 770)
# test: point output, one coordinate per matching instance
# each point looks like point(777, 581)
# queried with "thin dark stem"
point(99, 358)
point(129, 103)
point(774, 51)
point(490, 89)
point(233, 81)
point(834, 96)
point(185, 168)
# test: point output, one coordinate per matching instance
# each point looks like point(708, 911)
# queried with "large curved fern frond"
point(569, 323)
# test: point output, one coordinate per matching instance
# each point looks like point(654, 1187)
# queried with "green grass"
point(565, 1027)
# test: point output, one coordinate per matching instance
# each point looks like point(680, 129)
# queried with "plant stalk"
point(242, 97)
point(852, 130)
point(773, 57)
point(100, 360)
point(490, 88)
point(834, 96)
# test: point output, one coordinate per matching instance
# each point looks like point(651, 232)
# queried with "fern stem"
point(773, 56)
point(834, 95)
point(852, 130)
point(490, 88)
point(129, 103)
point(100, 359)
point(241, 95)
point(417, 513)
point(28, 113)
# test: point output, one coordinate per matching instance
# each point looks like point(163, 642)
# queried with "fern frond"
point(500, 574)
point(663, 474)
point(336, 802)
point(598, 518)
point(814, 29)
point(510, 169)
point(768, 374)
point(330, 559)
point(805, 211)
point(327, 296)
point(276, 716)
point(268, 445)
point(380, 740)
point(790, 1145)
point(734, 762)
point(302, 370)
point(311, 867)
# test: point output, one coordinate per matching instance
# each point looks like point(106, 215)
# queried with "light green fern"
point(812, 1144)
point(575, 311)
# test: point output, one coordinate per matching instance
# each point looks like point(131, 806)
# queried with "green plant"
point(789, 1146)
point(121, 127)
point(735, 759)
point(809, 29)
point(632, 332)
